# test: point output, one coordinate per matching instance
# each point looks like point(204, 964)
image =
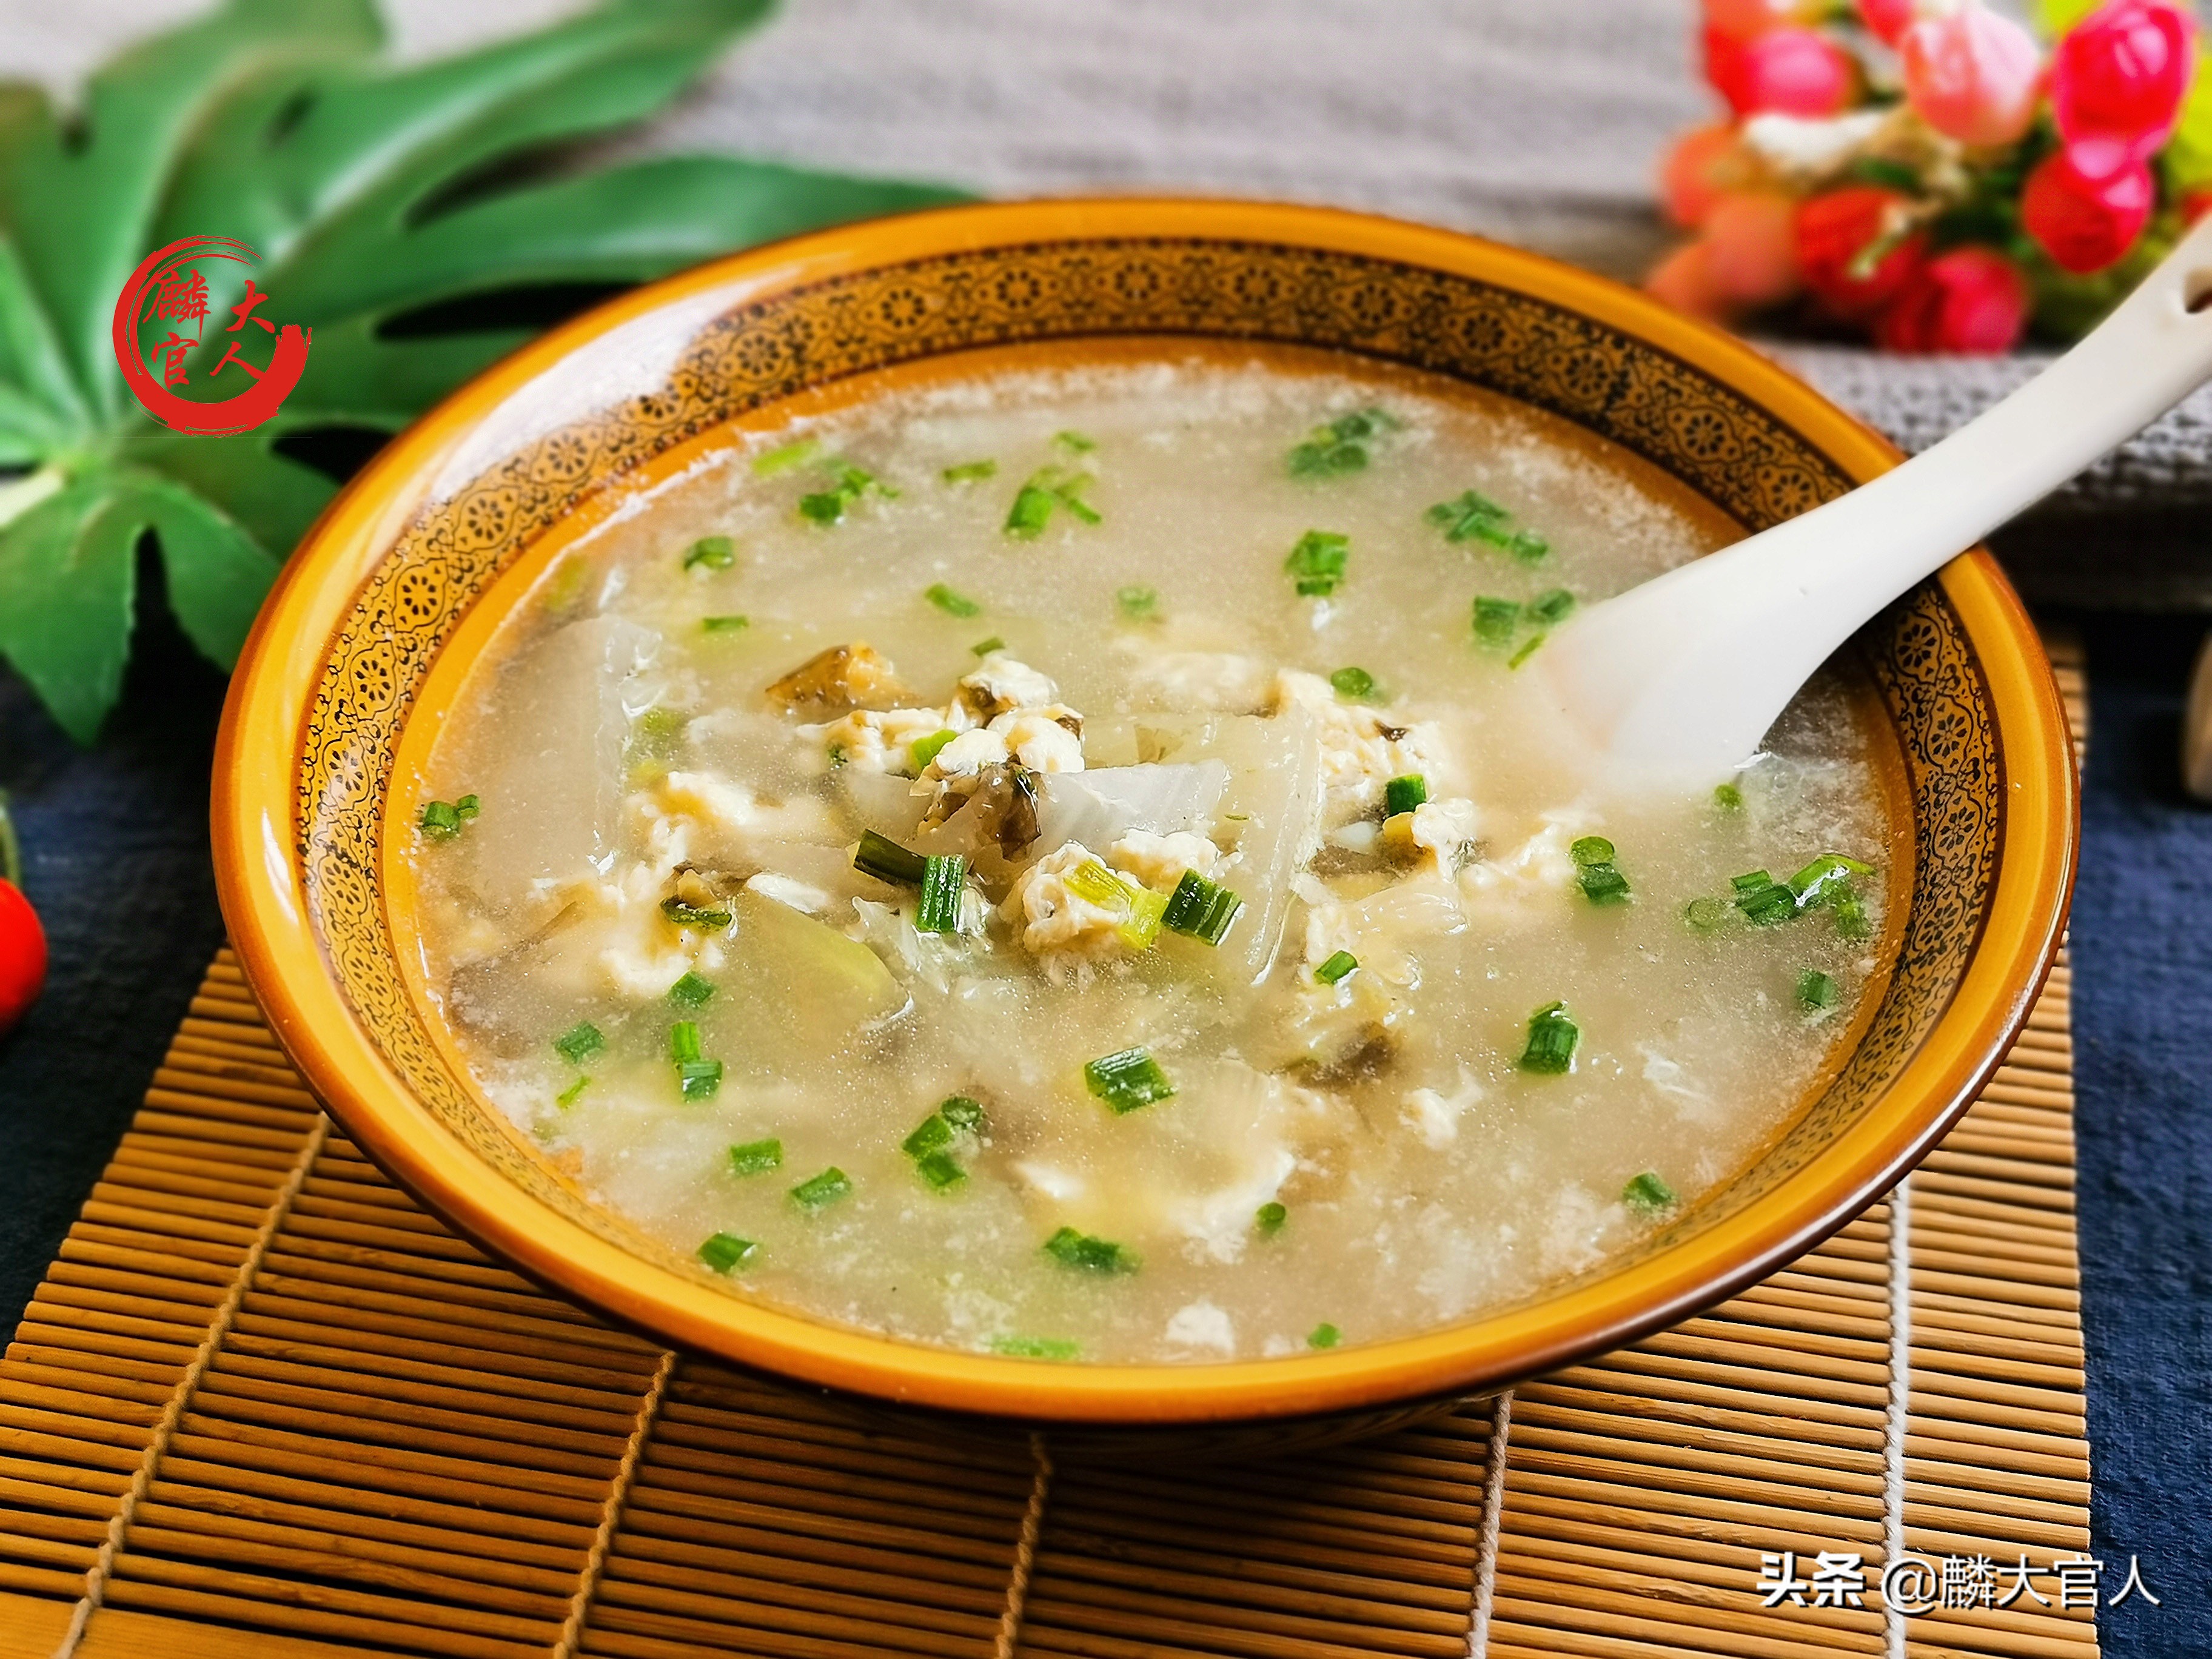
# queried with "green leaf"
point(37, 395)
point(216, 572)
point(65, 584)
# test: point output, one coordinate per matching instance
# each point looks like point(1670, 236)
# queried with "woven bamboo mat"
point(265, 1407)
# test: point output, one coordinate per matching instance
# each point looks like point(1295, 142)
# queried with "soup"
point(1070, 864)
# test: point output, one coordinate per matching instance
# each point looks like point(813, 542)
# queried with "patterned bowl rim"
point(261, 881)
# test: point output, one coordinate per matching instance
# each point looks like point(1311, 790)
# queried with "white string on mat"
point(611, 1511)
point(1899, 1421)
point(1025, 1549)
point(180, 1400)
point(1493, 1500)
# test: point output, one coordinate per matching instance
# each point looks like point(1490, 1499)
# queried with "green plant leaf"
point(410, 215)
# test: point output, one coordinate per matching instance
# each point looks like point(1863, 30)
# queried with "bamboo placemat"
point(264, 1407)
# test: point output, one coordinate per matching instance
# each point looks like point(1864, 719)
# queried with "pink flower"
point(2086, 220)
point(1850, 252)
point(1690, 179)
point(1888, 18)
point(1790, 70)
point(2117, 81)
point(1972, 74)
point(1752, 242)
point(1684, 280)
point(1741, 19)
point(1970, 300)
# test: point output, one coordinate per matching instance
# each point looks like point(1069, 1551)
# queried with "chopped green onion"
point(684, 1041)
point(939, 1170)
point(1035, 1347)
point(1404, 794)
point(1324, 1335)
point(442, 820)
point(1269, 1218)
point(569, 1096)
point(1471, 514)
point(1728, 798)
point(1551, 606)
point(1526, 650)
point(1137, 603)
point(926, 749)
point(783, 460)
point(1030, 512)
point(656, 740)
point(1817, 991)
point(756, 1157)
point(832, 1184)
point(1140, 910)
point(1201, 909)
point(715, 552)
point(1074, 442)
point(691, 991)
point(1553, 1039)
point(1603, 884)
point(1751, 882)
point(930, 1133)
point(1340, 964)
point(1495, 619)
point(698, 1079)
point(1850, 911)
point(952, 603)
point(725, 624)
point(943, 882)
point(1591, 849)
point(580, 1042)
point(985, 647)
point(724, 1252)
point(886, 861)
point(828, 506)
point(1352, 683)
point(1825, 878)
point(1074, 1249)
point(1764, 901)
point(1054, 487)
point(962, 1113)
point(1340, 447)
point(1528, 546)
point(1316, 563)
point(1127, 1079)
point(1705, 913)
point(694, 916)
point(970, 471)
point(1647, 1192)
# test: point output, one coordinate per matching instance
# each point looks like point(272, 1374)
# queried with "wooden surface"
point(265, 1407)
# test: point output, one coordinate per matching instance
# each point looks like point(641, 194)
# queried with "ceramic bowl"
point(356, 655)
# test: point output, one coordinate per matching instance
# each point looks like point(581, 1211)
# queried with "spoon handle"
point(1678, 678)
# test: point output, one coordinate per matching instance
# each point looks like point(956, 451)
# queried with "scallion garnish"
point(1316, 563)
point(926, 749)
point(1074, 1249)
point(952, 603)
point(1127, 1079)
point(1340, 447)
point(684, 915)
point(1340, 963)
point(1826, 879)
point(1140, 910)
point(927, 1145)
point(943, 882)
point(1471, 516)
point(757, 1157)
point(930, 1133)
point(783, 460)
point(1528, 546)
point(725, 1252)
point(968, 471)
point(1527, 650)
point(569, 1096)
point(1850, 912)
point(579, 1042)
point(828, 506)
point(1137, 603)
point(1553, 1039)
point(698, 1079)
point(1035, 1347)
point(441, 820)
point(939, 1170)
point(1030, 512)
point(1591, 849)
point(1551, 606)
point(832, 1184)
point(655, 742)
point(1044, 492)
point(684, 1041)
point(1201, 909)
point(1705, 913)
point(985, 647)
point(714, 552)
point(1764, 901)
point(691, 991)
point(1269, 1218)
point(1404, 794)
point(1354, 683)
point(962, 1113)
point(886, 861)
point(1601, 881)
point(1074, 442)
point(1648, 1193)
point(1728, 798)
point(725, 624)
point(1495, 619)
point(1324, 1335)
point(1817, 991)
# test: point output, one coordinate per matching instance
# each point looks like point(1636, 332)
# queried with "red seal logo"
point(170, 290)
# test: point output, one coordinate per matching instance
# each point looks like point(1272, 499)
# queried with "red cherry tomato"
point(22, 955)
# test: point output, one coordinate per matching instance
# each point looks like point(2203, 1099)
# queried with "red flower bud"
point(1970, 300)
point(1888, 18)
point(2118, 79)
point(2086, 220)
point(1791, 71)
point(1695, 172)
point(1837, 232)
point(1741, 19)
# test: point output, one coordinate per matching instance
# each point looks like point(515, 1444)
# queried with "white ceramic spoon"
point(1675, 682)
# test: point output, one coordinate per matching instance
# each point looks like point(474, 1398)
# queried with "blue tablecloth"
point(117, 850)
